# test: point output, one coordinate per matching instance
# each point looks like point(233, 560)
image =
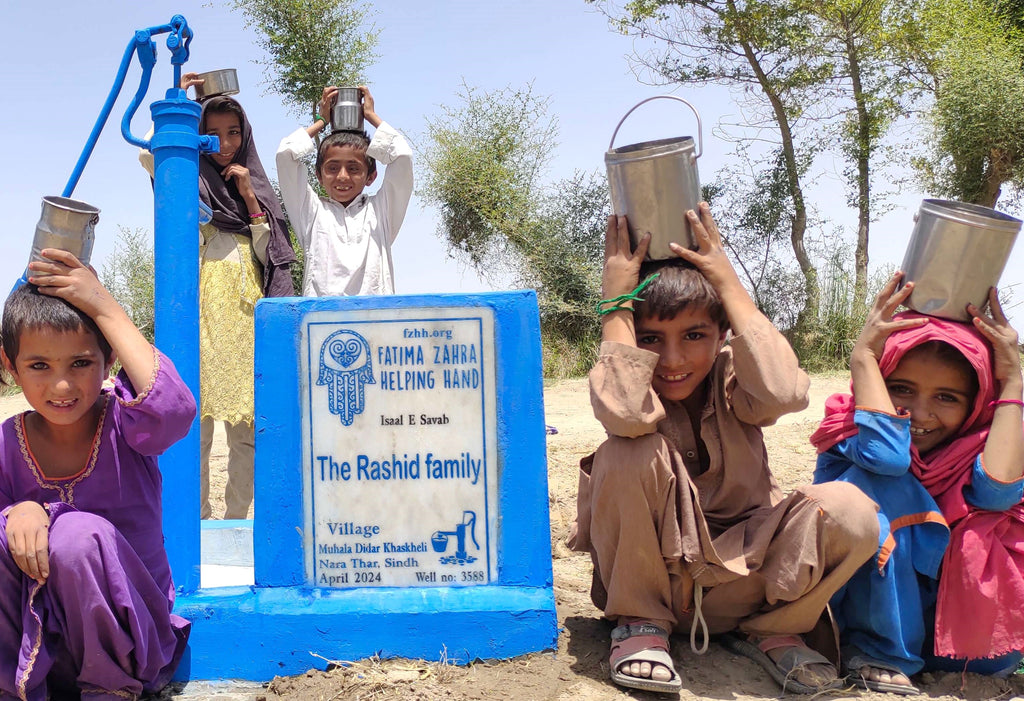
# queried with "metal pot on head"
point(956, 253)
point(222, 82)
point(654, 183)
point(65, 224)
point(347, 113)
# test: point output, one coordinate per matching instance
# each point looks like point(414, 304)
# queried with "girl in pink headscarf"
point(934, 434)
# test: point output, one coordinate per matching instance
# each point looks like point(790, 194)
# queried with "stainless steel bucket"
point(347, 113)
point(222, 82)
point(956, 253)
point(68, 225)
point(654, 183)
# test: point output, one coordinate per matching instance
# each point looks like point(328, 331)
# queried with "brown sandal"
point(796, 656)
point(642, 641)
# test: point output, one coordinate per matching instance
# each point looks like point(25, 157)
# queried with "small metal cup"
point(347, 113)
point(65, 224)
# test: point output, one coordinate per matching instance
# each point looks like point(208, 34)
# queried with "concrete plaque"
point(399, 437)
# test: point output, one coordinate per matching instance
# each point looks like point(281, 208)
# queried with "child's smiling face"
point(60, 372)
point(937, 393)
point(687, 345)
point(226, 127)
point(344, 173)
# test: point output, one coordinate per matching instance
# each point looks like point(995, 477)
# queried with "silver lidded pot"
point(654, 183)
point(957, 251)
point(347, 113)
point(67, 224)
point(222, 82)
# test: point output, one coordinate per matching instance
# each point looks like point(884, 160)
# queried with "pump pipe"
point(176, 145)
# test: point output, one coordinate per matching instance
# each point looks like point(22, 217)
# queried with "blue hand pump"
point(175, 145)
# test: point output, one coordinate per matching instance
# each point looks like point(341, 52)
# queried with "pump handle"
point(472, 526)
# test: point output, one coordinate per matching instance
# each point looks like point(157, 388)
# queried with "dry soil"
point(578, 669)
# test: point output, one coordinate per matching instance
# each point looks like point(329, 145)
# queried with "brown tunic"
point(725, 524)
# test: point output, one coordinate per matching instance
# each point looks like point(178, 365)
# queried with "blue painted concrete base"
point(256, 633)
point(250, 633)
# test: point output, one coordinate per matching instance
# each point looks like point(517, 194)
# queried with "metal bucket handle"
point(700, 135)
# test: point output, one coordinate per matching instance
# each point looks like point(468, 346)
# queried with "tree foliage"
point(484, 162)
point(128, 272)
point(310, 44)
point(973, 51)
point(567, 255)
point(752, 208)
point(768, 51)
point(864, 41)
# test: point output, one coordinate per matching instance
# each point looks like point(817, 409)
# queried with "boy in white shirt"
point(346, 237)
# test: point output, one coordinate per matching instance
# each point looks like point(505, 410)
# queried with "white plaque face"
point(399, 447)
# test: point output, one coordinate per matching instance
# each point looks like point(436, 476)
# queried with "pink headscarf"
point(981, 591)
point(946, 470)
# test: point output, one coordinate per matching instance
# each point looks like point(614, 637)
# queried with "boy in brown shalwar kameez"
point(678, 508)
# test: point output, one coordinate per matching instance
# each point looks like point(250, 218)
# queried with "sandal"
point(641, 641)
point(854, 660)
point(796, 656)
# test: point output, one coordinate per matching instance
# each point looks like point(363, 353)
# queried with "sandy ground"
point(578, 669)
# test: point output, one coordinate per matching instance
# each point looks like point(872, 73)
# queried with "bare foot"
point(877, 674)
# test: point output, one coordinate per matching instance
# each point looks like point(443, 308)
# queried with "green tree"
point(128, 273)
point(862, 40)
point(768, 50)
point(310, 44)
point(483, 163)
point(751, 202)
point(973, 53)
point(565, 259)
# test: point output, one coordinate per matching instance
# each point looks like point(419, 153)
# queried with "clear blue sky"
point(60, 58)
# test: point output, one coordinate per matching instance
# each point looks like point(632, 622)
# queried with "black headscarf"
point(229, 211)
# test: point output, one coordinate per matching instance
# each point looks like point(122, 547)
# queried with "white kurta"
point(347, 249)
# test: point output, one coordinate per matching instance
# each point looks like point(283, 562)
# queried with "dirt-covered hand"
point(879, 324)
point(28, 536)
point(621, 265)
point(1003, 337)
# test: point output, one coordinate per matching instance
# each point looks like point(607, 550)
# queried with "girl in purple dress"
point(85, 587)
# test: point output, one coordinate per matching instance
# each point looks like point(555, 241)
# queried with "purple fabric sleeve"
point(160, 415)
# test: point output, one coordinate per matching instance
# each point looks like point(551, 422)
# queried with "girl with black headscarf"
point(245, 253)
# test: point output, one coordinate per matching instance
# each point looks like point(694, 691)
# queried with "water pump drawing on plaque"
point(400, 411)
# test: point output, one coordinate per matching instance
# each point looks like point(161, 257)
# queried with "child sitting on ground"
point(678, 508)
point(85, 586)
point(933, 434)
point(347, 236)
